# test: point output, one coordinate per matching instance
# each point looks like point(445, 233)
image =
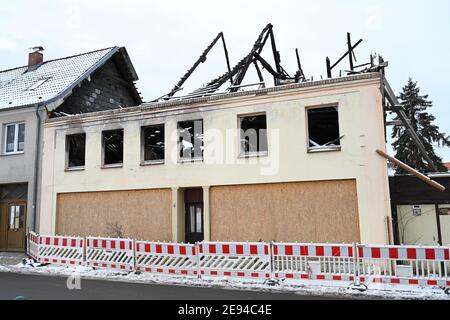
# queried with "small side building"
point(421, 214)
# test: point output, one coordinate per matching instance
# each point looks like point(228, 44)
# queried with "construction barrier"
point(410, 265)
point(68, 251)
point(33, 245)
point(164, 258)
point(313, 261)
point(243, 260)
point(113, 254)
point(343, 263)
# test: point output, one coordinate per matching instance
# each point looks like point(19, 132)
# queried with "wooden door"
point(12, 226)
point(3, 227)
point(194, 223)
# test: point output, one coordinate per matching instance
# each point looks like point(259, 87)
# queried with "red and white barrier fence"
point(33, 245)
point(165, 258)
point(410, 265)
point(313, 261)
point(113, 254)
point(61, 250)
point(343, 263)
point(243, 260)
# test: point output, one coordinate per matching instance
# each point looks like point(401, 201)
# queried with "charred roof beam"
point(202, 59)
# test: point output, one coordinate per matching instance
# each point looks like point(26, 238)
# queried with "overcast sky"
point(164, 38)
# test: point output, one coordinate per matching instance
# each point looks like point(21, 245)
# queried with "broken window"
point(112, 147)
point(75, 148)
point(15, 138)
point(253, 134)
point(323, 129)
point(190, 140)
point(153, 143)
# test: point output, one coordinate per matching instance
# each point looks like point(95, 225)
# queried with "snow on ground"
point(316, 288)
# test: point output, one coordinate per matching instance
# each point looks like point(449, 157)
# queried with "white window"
point(14, 138)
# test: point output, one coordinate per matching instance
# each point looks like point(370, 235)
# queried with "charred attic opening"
point(253, 134)
point(190, 140)
point(323, 128)
point(112, 147)
point(153, 144)
point(76, 146)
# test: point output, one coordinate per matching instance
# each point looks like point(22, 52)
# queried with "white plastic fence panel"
point(166, 258)
point(413, 265)
point(61, 250)
point(332, 262)
point(33, 245)
point(107, 253)
point(233, 259)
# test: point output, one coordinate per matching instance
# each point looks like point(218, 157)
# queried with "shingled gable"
point(52, 83)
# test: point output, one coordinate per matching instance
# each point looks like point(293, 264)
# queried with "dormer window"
point(37, 84)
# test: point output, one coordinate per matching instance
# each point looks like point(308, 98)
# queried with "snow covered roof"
point(53, 80)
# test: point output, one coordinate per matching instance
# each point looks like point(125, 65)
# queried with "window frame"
point(321, 149)
point(192, 159)
point(152, 162)
point(257, 154)
point(16, 126)
point(113, 165)
point(75, 168)
point(16, 221)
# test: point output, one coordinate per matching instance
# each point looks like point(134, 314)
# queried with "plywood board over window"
point(320, 212)
point(139, 214)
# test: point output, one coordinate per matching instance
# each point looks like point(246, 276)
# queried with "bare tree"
point(115, 230)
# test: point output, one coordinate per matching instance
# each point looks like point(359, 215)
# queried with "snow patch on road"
point(316, 288)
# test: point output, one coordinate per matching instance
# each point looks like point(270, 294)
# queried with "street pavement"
point(37, 287)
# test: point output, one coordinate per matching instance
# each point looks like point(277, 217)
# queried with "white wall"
point(360, 121)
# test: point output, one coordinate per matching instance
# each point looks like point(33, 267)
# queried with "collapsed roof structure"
point(280, 76)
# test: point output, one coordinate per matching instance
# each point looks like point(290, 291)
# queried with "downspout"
point(36, 164)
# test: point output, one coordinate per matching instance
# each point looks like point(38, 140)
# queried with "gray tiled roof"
point(20, 87)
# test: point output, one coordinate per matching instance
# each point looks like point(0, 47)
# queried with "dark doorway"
point(193, 199)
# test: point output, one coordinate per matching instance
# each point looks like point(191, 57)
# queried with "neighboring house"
point(294, 162)
point(93, 81)
point(421, 213)
point(447, 165)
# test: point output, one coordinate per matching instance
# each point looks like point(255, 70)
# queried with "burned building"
point(296, 161)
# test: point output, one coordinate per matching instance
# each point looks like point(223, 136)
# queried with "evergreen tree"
point(415, 107)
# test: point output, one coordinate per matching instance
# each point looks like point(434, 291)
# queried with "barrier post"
point(197, 254)
point(134, 255)
point(356, 264)
point(272, 276)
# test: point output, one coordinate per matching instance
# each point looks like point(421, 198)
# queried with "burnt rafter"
point(201, 59)
point(396, 107)
point(237, 74)
point(241, 68)
point(350, 53)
